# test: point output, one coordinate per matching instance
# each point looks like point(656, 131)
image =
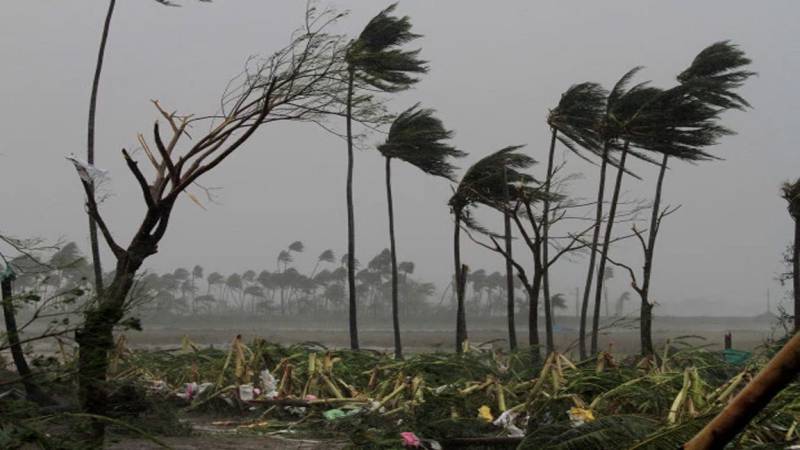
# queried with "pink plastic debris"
point(410, 439)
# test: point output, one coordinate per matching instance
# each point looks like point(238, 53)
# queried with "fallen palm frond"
point(482, 397)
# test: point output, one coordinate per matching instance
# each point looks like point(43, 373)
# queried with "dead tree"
point(301, 82)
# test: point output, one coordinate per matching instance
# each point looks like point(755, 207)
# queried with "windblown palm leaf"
point(576, 117)
point(484, 181)
point(715, 73)
point(416, 137)
point(376, 57)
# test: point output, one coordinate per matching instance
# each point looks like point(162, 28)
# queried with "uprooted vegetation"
point(483, 398)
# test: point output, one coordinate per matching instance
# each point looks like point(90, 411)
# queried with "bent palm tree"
point(706, 88)
point(416, 137)
point(579, 110)
point(375, 60)
point(485, 182)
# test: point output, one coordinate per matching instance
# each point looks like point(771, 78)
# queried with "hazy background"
point(496, 68)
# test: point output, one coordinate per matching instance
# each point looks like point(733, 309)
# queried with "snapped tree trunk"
point(351, 226)
point(93, 238)
point(612, 211)
point(510, 307)
point(646, 315)
point(398, 347)
point(32, 390)
point(587, 289)
point(781, 370)
point(460, 280)
point(548, 318)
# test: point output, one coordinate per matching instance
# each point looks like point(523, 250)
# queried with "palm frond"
point(714, 74)
point(376, 57)
point(416, 137)
point(485, 181)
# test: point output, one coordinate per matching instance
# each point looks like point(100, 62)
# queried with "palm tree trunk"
point(548, 319)
point(533, 316)
point(461, 317)
point(351, 226)
point(32, 391)
point(593, 253)
point(612, 211)
point(94, 242)
point(512, 330)
point(796, 274)
point(646, 315)
point(398, 347)
point(781, 370)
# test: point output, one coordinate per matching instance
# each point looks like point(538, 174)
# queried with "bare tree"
point(300, 82)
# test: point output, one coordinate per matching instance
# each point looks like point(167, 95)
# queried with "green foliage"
point(715, 73)
point(376, 57)
point(486, 180)
point(416, 137)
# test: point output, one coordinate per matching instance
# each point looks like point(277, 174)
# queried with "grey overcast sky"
point(496, 67)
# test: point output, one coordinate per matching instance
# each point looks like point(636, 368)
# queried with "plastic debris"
point(506, 421)
point(485, 413)
point(88, 172)
point(296, 410)
point(268, 384)
point(246, 392)
point(333, 414)
point(410, 439)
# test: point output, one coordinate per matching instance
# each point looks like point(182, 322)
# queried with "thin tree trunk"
point(351, 226)
point(398, 347)
point(646, 315)
point(781, 370)
point(533, 316)
point(548, 319)
point(32, 391)
point(612, 211)
point(587, 289)
point(512, 329)
point(796, 274)
point(94, 242)
point(461, 317)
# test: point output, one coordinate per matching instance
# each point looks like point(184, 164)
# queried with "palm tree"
point(619, 308)
point(375, 60)
point(415, 137)
point(484, 182)
point(791, 193)
point(197, 273)
point(706, 89)
point(623, 105)
point(234, 284)
point(573, 122)
point(326, 256)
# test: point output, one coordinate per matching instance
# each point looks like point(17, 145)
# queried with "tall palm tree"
point(573, 122)
point(377, 61)
point(415, 137)
point(623, 105)
point(690, 112)
point(791, 193)
point(485, 183)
